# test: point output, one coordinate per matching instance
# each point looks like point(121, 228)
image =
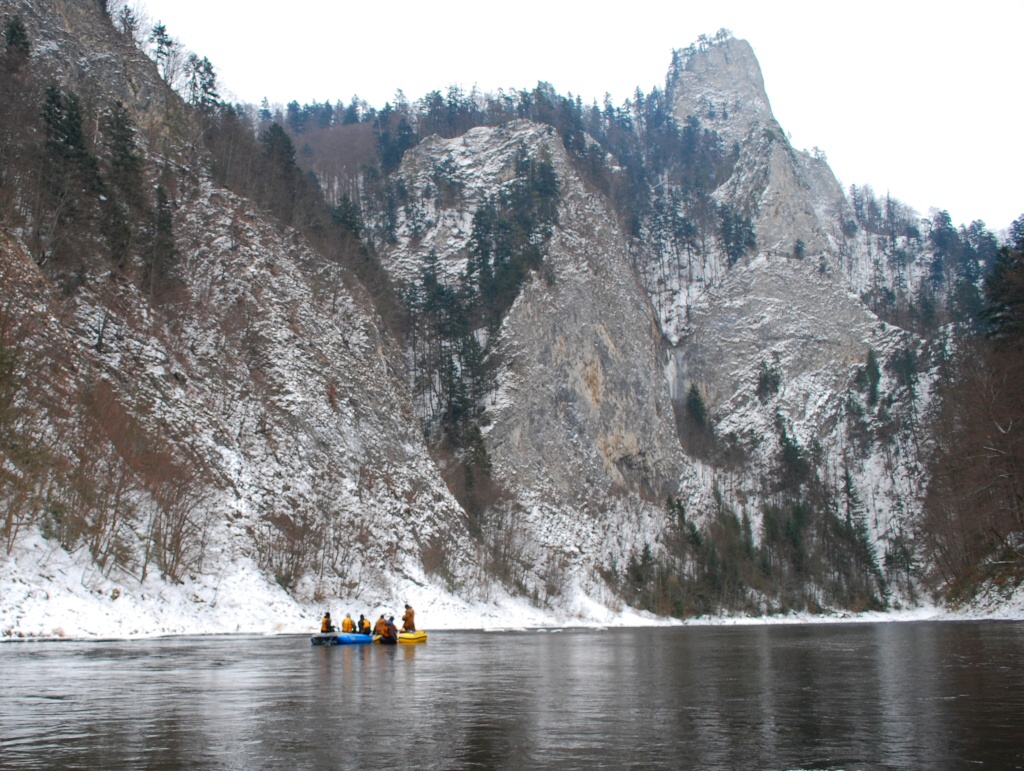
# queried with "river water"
point(893, 695)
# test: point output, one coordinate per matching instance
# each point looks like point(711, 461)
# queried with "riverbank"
point(46, 593)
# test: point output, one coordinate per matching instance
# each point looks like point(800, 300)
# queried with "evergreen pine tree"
point(163, 253)
point(17, 45)
point(125, 174)
point(1004, 294)
point(165, 51)
point(201, 83)
point(695, 406)
point(70, 172)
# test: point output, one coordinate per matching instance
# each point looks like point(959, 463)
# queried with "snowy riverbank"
point(47, 593)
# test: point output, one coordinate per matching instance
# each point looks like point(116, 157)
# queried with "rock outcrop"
point(791, 195)
point(579, 427)
point(789, 308)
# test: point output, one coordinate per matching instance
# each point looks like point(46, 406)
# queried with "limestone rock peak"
point(720, 83)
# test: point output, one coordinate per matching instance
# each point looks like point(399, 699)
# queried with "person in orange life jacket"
point(363, 625)
point(347, 624)
point(326, 625)
point(408, 620)
point(381, 626)
point(390, 634)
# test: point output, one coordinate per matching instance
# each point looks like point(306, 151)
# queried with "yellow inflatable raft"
point(408, 638)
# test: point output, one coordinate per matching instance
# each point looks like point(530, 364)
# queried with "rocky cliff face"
point(270, 383)
point(579, 426)
point(82, 51)
point(304, 414)
point(787, 315)
point(267, 410)
point(791, 195)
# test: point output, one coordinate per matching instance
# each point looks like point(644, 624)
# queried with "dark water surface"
point(897, 695)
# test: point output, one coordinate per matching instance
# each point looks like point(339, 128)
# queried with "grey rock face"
point(580, 427)
point(591, 412)
point(790, 195)
point(296, 390)
point(722, 86)
point(789, 308)
point(87, 56)
point(772, 311)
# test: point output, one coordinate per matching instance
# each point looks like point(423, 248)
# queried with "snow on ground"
point(995, 603)
point(47, 593)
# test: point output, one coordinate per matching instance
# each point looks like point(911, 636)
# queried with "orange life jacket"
point(347, 625)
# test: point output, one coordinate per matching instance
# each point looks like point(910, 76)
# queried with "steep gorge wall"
point(269, 370)
point(256, 395)
point(788, 314)
point(579, 426)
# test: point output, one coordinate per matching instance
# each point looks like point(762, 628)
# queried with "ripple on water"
point(879, 695)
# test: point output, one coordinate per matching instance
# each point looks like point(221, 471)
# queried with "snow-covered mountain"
point(653, 403)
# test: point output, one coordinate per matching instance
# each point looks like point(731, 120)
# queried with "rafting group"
point(384, 632)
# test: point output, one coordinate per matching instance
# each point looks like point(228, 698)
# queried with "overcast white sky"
point(920, 99)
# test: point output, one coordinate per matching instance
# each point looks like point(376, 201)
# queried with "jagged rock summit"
point(793, 195)
point(720, 82)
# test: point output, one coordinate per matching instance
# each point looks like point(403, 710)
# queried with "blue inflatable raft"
point(340, 638)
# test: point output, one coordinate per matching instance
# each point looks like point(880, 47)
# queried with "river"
point(861, 695)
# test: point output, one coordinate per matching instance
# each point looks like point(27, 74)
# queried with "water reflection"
point(816, 696)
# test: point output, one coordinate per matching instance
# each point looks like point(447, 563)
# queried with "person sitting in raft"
point(326, 625)
point(347, 624)
point(381, 626)
point(408, 620)
point(390, 634)
point(363, 626)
